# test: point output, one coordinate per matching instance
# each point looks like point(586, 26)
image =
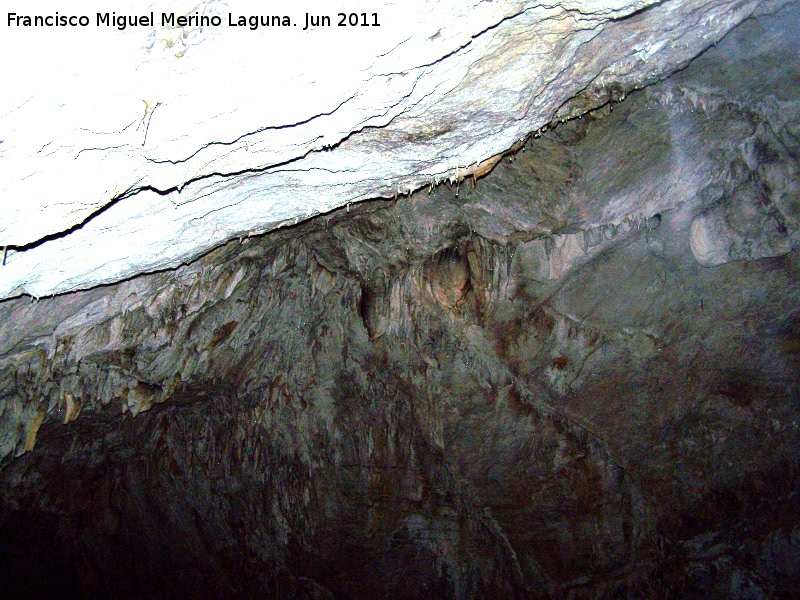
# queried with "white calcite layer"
point(127, 151)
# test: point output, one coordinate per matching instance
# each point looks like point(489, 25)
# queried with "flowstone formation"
point(577, 377)
point(129, 151)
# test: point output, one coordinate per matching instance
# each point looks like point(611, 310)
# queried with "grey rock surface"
point(536, 387)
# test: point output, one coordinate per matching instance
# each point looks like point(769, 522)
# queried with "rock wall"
point(568, 379)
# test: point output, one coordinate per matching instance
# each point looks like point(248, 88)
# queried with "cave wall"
point(577, 377)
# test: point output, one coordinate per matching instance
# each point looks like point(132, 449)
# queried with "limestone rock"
point(715, 241)
point(167, 146)
point(409, 399)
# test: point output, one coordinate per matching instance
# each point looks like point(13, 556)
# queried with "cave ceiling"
point(574, 375)
point(169, 140)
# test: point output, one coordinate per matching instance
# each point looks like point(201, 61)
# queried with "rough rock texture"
point(169, 141)
point(536, 388)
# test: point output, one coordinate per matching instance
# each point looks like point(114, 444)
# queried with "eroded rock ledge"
point(536, 388)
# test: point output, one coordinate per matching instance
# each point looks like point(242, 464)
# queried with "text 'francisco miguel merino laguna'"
point(253, 22)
